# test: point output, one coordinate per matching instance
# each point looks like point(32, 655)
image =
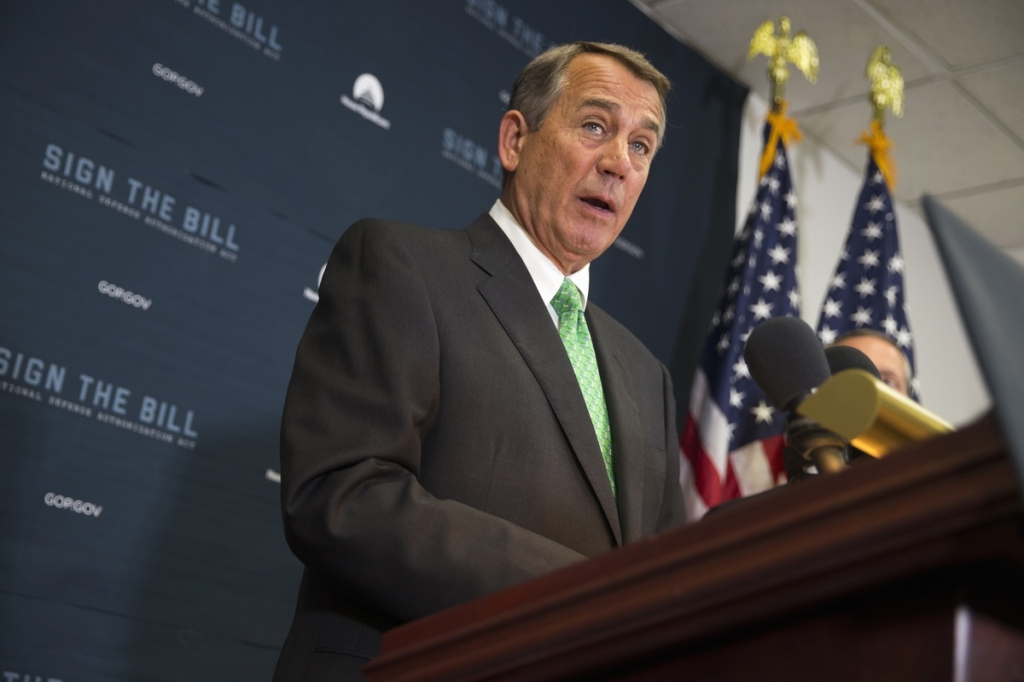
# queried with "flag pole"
point(781, 51)
point(886, 93)
point(886, 84)
point(866, 294)
point(732, 440)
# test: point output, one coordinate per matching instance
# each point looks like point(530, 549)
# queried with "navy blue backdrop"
point(172, 178)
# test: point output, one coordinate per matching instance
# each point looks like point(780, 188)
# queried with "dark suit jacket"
point(436, 445)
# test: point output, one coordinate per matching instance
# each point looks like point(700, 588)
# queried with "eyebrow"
point(612, 107)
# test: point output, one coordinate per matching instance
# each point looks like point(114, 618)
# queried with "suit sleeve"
point(363, 395)
point(673, 510)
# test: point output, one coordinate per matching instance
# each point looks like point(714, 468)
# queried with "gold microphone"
point(870, 415)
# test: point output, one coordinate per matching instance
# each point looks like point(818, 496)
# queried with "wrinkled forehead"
point(601, 81)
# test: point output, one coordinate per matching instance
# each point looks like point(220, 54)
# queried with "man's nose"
point(615, 160)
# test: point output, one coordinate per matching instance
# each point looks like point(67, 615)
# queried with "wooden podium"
point(907, 568)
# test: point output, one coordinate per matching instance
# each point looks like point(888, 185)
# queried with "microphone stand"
point(816, 444)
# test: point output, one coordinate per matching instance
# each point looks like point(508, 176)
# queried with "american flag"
point(732, 441)
point(866, 291)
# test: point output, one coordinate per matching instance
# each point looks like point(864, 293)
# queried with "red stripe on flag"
point(731, 489)
point(773, 447)
point(705, 475)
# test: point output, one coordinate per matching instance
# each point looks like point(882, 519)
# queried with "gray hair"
point(542, 81)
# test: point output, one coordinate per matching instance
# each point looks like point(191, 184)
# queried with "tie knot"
point(568, 299)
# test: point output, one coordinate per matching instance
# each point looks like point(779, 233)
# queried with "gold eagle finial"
point(780, 49)
point(886, 83)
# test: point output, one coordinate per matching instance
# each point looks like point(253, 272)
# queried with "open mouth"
point(597, 202)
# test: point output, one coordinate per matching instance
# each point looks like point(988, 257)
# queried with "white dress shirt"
point(546, 276)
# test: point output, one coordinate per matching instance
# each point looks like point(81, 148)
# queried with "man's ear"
point(511, 135)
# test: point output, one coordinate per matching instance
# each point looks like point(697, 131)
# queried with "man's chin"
point(592, 242)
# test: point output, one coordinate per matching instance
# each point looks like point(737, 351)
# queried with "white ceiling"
point(962, 136)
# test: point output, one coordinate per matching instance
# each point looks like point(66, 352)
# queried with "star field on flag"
point(866, 291)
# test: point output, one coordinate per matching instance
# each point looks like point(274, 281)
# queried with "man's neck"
point(527, 228)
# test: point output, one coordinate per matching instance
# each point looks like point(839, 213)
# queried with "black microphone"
point(787, 361)
point(841, 358)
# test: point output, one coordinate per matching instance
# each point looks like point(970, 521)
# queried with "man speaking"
point(459, 418)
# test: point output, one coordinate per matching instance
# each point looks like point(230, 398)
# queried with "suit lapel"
point(512, 296)
point(627, 433)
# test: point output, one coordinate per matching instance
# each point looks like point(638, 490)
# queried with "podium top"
point(941, 502)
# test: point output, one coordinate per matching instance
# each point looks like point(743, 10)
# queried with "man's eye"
point(593, 127)
point(641, 148)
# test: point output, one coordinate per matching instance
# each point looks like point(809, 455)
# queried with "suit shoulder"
point(372, 246)
point(374, 231)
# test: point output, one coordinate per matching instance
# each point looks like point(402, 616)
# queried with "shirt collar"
point(546, 276)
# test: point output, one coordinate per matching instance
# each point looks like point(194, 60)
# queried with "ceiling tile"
point(845, 36)
point(942, 144)
point(962, 33)
point(1001, 90)
point(998, 214)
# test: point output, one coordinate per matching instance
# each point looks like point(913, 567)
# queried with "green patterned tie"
point(572, 327)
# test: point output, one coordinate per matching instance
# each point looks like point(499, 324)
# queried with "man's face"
point(576, 179)
point(887, 358)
